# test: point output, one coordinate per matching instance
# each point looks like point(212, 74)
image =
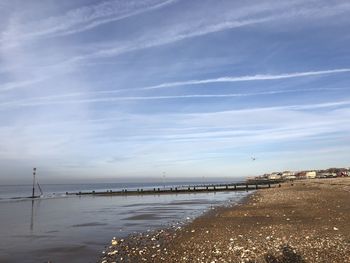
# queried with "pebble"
point(247, 244)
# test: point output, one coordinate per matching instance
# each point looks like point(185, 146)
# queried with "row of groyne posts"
point(246, 186)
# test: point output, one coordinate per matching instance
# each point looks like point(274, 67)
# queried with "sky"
point(104, 90)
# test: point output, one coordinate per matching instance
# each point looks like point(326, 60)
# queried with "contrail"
point(247, 78)
point(86, 18)
point(50, 100)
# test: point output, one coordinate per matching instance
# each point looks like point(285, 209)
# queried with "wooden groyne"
point(183, 189)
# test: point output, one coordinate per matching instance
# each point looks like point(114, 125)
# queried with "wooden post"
point(33, 190)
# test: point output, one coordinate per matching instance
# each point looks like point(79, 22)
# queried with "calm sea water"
point(64, 228)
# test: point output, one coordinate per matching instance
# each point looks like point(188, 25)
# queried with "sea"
point(67, 228)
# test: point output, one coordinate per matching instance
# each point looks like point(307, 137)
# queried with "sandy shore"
point(308, 221)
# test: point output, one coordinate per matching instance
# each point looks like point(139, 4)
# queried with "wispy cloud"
point(52, 100)
point(258, 77)
point(248, 78)
point(82, 19)
point(296, 107)
point(20, 84)
point(168, 36)
point(88, 17)
point(288, 132)
point(231, 18)
point(80, 84)
point(291, 127)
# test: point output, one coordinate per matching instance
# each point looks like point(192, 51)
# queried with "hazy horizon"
point(104, 90)
point(132, 180)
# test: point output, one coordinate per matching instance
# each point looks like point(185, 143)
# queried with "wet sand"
point(308, 221)
point(76, 229)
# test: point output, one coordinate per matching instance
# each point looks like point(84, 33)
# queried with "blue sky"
point(101, 90)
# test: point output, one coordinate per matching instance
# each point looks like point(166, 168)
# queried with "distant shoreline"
point(304, 221)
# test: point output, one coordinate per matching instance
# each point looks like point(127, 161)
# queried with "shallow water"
point(76, 229)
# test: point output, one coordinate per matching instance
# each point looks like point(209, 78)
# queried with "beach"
point(301, 221)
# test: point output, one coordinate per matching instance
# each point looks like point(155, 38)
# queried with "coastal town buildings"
point(309, 174)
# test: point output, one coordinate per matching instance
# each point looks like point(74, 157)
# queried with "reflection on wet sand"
point(58, 229)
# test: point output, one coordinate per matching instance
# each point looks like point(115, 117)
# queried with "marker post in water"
point(33, 192)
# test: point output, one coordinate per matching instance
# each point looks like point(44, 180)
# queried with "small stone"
point(114, 242)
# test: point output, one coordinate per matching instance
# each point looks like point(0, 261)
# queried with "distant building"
point(252, 178)
point(310, 174)
point(275, 176)
point(300, 175)
point(288, 175)
point(326, 175)
point(343, 173)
